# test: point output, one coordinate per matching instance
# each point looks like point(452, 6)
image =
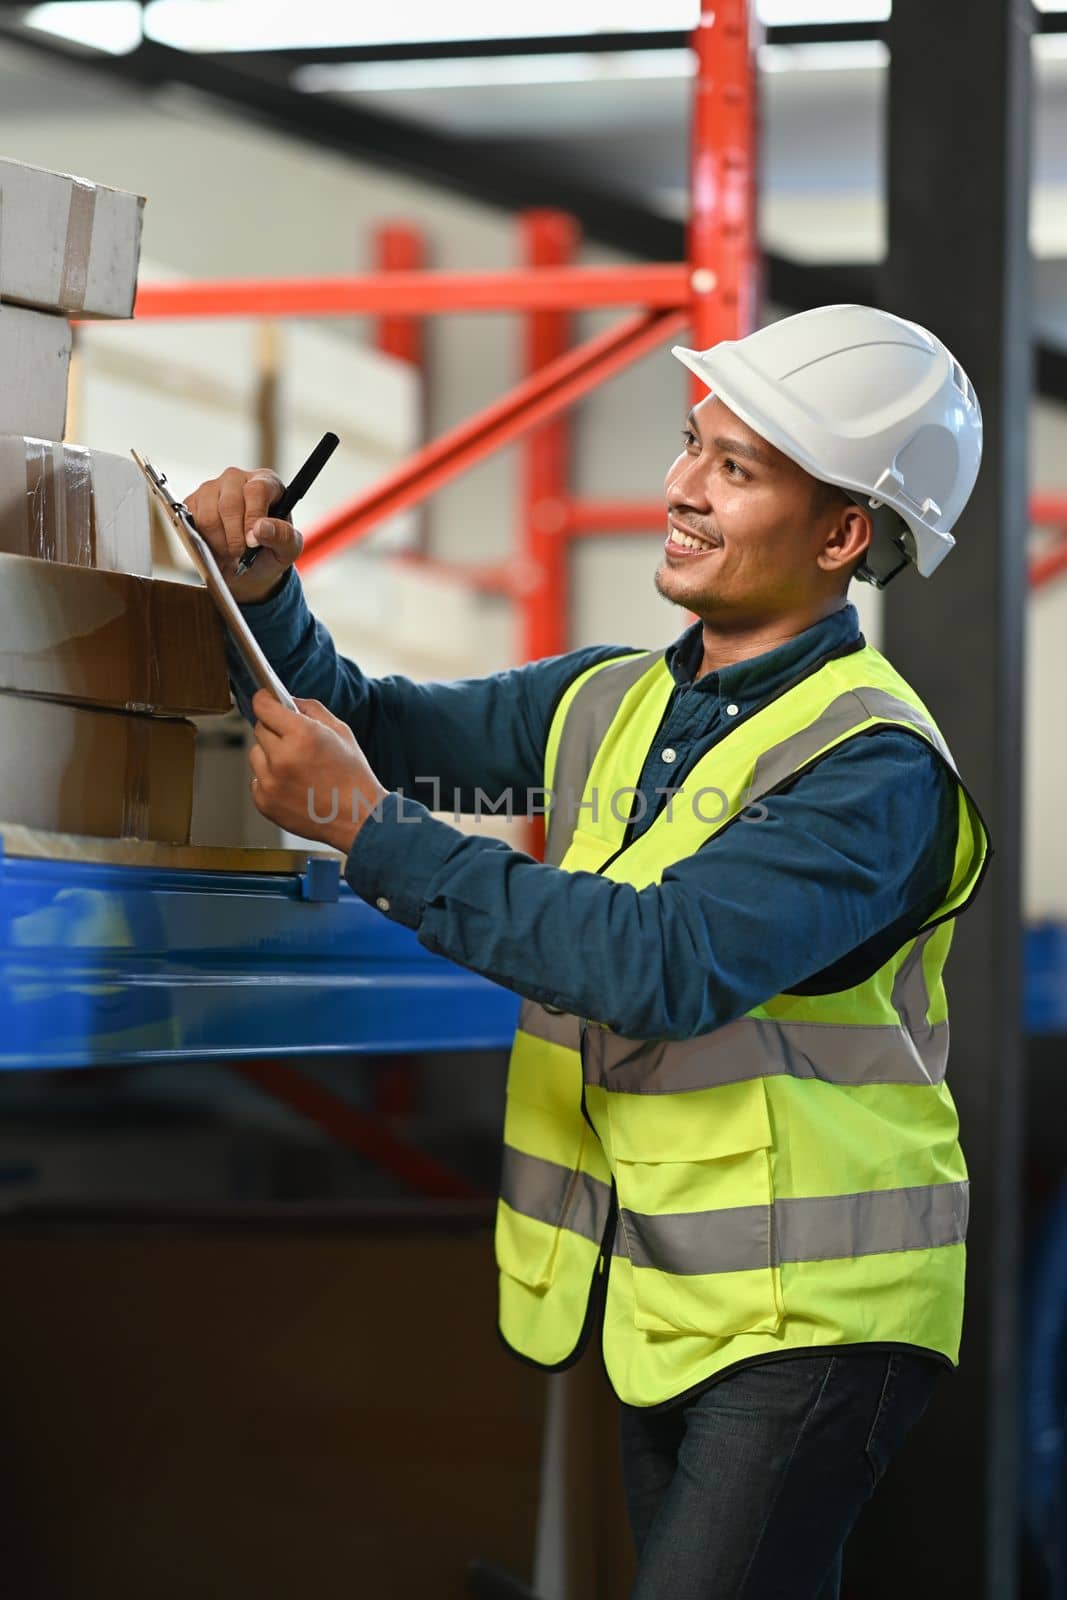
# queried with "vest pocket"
point(696, 1209)
point(525, 1248)
point(541, 1155)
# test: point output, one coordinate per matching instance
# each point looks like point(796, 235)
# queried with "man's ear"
point(847, 540)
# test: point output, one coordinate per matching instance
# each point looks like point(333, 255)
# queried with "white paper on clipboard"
point(200, 554)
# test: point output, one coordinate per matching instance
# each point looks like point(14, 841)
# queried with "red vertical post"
point(398, 247)
point(549, 239)
point(721, 242)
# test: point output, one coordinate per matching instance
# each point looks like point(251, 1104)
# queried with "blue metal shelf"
point(119, 964)
point(1045, 977)
point(114, 964)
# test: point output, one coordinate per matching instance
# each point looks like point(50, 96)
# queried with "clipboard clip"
point(158, 482)
point(203, 560)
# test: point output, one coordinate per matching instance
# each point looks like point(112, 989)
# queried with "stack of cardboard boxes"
point(100, 664)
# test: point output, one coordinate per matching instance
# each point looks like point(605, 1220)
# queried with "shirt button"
point(731, 710)
point(382, 903)
point(669, 756)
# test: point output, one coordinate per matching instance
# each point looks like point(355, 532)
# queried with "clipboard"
point(199, 553)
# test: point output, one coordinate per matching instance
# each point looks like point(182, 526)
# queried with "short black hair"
point(826, 495)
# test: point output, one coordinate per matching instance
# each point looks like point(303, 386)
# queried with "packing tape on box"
point(137, 783)
point(59, 522)
point(78, 246)
point(148, 636)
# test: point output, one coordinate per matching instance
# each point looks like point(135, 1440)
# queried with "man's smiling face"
point(743, 537)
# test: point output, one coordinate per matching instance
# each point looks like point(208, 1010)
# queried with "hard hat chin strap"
point(866, 574)
point(888, 552)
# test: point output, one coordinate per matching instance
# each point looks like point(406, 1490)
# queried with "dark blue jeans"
point(749, 1491)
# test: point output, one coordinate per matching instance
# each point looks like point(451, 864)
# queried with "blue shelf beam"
point(119, 964)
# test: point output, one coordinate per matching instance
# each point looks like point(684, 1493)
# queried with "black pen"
point(294, 491)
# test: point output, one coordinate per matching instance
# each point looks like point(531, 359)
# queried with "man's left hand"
point(311, 777)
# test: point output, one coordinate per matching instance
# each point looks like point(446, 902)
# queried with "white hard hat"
point(864, 400)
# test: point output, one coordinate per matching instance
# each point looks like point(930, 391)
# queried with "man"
point(729, 1147)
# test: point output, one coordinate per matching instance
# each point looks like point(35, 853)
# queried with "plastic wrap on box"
point(57, 512)
point(62, 502)
point(69, 246)
point(108, 639)
point(111, 774)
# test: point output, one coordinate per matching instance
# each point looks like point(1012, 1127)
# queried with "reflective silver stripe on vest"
point(554, 1194)
point(823, 1228)
point(848, 711)
point(911, 1051)
point(699, 1241)
point(755, 1047)
point(911, 1002)
point(554, 1027)
point(833, 1226)
point(589, 716)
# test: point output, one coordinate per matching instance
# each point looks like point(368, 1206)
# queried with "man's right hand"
point(231, 513)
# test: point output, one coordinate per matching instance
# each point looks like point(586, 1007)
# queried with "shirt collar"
point(750, 682)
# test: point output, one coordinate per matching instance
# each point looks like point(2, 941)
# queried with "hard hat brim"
point(746, 406)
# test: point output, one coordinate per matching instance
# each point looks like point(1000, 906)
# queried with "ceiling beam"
point(511, 180)
point(466, 49)
point(469, 167)
point(537, 45)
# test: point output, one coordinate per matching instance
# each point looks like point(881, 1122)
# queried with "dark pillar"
point(945, 1523)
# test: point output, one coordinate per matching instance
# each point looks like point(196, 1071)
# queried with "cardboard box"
point(74, 769)
point(34, 366)
point(62, 502)
point(68, 246)
point(106, 639)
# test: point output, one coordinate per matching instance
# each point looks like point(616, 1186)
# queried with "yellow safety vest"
point(790, 1181)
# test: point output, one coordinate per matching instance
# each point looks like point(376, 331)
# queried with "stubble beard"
point(665, 590)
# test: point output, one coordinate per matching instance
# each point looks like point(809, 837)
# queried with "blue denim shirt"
point(850, 860)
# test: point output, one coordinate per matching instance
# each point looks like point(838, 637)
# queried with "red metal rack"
point(713, 293)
